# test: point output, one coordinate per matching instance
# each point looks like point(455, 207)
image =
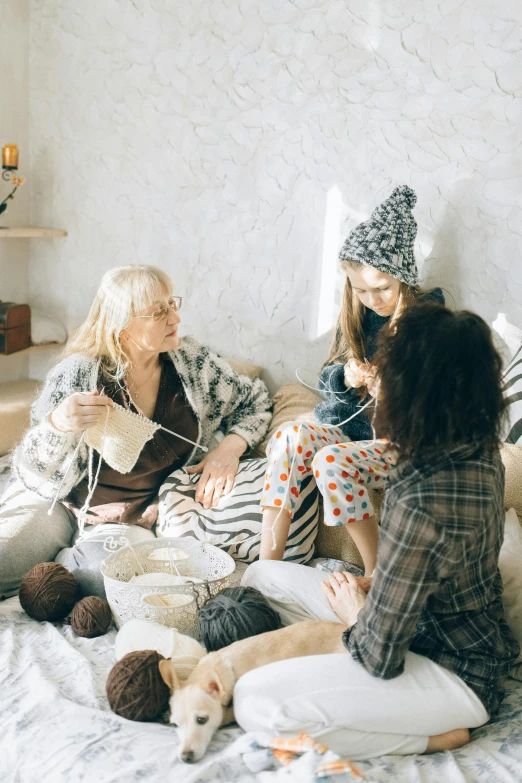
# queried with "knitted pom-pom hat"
point(385, 240)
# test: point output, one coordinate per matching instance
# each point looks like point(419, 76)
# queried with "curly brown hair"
point(440, 381)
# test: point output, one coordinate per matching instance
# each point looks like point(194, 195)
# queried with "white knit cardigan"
point(220, 398)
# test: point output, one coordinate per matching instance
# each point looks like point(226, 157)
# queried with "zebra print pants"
point(235, 523)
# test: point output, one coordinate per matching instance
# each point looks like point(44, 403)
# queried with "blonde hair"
point(349, 340)
point(124, 292)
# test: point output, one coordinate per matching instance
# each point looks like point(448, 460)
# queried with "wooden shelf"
point(36, 349)
point(31, 233)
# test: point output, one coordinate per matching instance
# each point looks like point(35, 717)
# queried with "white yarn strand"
point(341, 423)
point(93, 483)
point(69, 466)
point(325, 388)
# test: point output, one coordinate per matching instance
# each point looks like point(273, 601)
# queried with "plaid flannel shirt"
point(437, 590)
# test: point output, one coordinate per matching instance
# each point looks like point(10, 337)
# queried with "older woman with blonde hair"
point(128, 351)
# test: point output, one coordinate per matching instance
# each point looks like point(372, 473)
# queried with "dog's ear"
point(168, 674)
point(214, 686)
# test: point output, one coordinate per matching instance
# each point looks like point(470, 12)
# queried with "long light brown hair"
point(349, 340)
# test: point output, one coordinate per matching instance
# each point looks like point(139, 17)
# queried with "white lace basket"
point(174, 605)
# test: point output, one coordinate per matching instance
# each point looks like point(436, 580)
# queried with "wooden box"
point(15, 327)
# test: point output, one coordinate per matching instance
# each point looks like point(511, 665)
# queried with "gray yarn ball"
point(233, 614)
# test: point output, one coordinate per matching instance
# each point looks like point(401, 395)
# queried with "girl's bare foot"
point(450, 740)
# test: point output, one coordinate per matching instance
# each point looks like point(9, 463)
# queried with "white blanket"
point(56, 725)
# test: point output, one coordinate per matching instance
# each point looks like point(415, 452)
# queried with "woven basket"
point(174, 605)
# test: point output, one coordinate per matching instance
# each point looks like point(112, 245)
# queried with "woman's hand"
point(218, 470)
point(345, 595)
point(80, 411)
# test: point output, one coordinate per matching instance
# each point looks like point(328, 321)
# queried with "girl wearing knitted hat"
point(381, 281)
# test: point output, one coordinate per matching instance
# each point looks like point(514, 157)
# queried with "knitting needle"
point(176, 435)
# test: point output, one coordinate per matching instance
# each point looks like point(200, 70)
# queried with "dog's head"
point(196, 710)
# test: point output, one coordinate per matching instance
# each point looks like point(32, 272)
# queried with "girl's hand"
point(372, 382)
point(345, 595)
point(218, 470)
point(354, 374)
point(364, 582)
point(80, 411)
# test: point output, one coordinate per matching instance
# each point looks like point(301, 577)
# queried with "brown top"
point(131, 498)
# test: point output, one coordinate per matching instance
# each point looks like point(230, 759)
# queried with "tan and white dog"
point(202, 703)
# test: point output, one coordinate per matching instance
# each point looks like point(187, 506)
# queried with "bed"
point(57, 726)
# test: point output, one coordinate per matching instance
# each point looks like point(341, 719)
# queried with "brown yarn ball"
point(91, 617)
point(135, 688)
point(48, 592)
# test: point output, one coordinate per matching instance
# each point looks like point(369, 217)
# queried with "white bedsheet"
point(56, 725)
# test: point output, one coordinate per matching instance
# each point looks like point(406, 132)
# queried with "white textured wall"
point(14, 129)
point(210, 136)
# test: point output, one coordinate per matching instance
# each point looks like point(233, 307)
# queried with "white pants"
point(332, 697)
point(28, 536)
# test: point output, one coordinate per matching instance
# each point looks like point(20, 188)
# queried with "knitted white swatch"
point(121, 439)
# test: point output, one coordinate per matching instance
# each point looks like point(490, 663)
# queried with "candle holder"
point(9, 165)
point(8, 176)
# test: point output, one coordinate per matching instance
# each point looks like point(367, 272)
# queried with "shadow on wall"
point(468, 260)
point(442, 266)
point(321, 309)
point(474, 254)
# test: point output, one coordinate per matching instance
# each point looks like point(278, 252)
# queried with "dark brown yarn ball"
point(135, 688)
point(91, 617)
point(48, 592)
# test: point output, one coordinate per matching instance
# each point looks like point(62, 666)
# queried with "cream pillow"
point(292, 402)
point(245, 368)
point(512, 459)
point(510, 564)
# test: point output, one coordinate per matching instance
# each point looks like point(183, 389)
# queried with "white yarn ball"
point(184, 651)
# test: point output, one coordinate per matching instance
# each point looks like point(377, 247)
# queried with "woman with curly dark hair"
point(431, 620)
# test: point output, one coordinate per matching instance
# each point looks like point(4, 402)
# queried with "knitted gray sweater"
point(220, 398)
point(340, 402)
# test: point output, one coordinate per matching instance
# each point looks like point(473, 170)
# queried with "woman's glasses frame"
point(163, 313)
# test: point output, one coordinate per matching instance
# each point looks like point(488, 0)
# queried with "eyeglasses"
point(161, 315)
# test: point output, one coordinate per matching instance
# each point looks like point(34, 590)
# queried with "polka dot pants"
point(342, 471)
point(289, 459)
